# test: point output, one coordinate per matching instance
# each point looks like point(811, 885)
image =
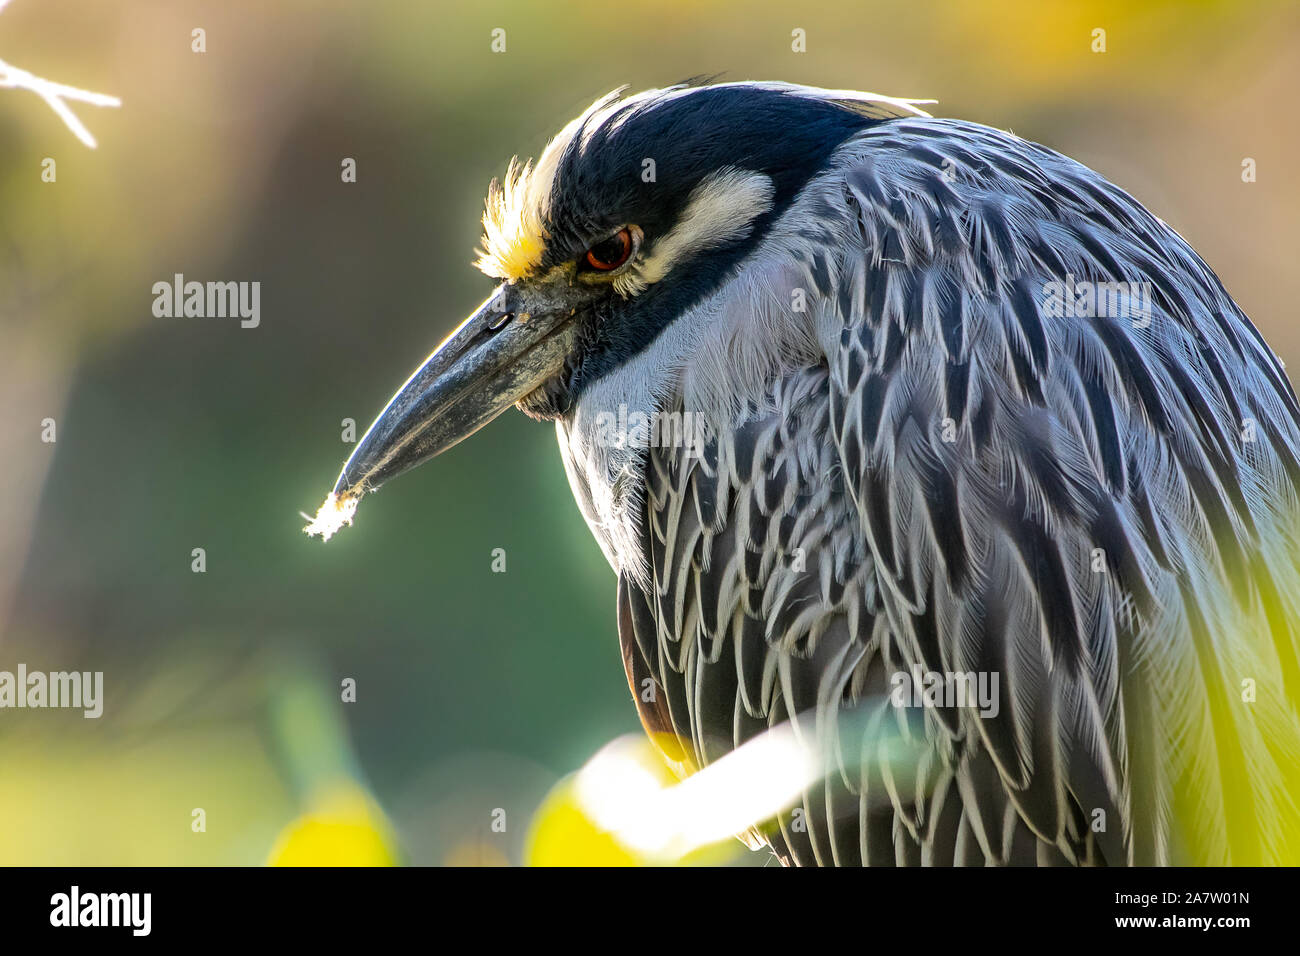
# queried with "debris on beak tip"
point(332, 515)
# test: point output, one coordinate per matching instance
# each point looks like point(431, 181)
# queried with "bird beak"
point(496, 357)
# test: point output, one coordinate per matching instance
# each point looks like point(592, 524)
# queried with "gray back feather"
point(1101, 511)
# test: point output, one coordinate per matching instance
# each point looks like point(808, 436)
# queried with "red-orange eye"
point(609, 254)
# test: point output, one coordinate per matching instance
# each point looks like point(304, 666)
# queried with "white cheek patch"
point(722, 207)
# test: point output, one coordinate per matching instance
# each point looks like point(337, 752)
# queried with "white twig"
point(54, 94)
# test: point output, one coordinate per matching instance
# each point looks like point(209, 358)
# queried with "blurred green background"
point(476, 691)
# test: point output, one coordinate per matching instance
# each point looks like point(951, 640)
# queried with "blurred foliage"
point(342, 828)
point(475, 691)
point(567, 829)
point(563, 834)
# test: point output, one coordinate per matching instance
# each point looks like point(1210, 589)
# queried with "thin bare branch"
point(54, 94)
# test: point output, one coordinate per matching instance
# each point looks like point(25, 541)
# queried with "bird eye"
point(608, 254)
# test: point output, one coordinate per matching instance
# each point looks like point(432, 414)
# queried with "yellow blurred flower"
point(344, 827)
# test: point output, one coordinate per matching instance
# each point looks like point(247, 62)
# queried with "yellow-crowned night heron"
point(944, 405)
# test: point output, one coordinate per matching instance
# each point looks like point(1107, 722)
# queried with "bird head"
point(638, 208)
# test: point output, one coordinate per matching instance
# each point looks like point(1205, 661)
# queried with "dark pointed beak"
point(495, 358)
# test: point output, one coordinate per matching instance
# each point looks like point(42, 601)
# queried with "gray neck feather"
point(719, 361)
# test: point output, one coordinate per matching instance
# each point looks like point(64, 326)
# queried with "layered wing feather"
point(1100, 509)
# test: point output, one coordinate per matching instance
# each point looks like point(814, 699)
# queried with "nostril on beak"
point(500, 322)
